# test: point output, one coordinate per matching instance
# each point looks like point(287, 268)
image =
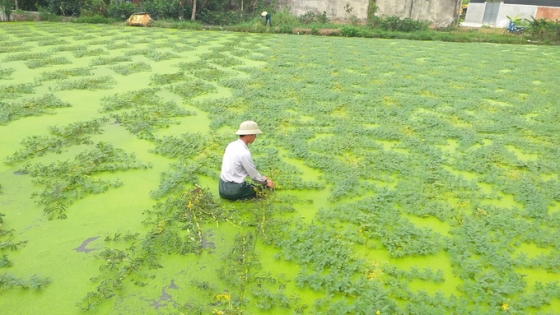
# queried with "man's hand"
point(269, 183)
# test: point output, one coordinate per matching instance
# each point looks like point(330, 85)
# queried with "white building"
point(481, 12)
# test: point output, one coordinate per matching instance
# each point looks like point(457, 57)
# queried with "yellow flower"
point(505, 306)
point(378, 312)
point(224, 296)
point(190, 205)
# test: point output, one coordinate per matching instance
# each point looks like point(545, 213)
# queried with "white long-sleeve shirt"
point(238, 163)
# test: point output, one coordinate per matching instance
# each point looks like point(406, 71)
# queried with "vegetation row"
point(223, 15)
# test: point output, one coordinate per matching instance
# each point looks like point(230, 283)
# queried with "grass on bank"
point(450, 34)
point(539, 31)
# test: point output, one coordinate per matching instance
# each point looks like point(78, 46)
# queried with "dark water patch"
point(173, 285)
point(85, 243)
point(205, 242)
point(31, 227)
point(163, 300)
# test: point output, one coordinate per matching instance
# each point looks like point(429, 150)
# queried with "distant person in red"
point(238, 163)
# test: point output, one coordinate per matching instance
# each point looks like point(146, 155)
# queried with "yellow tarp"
point(139, 19)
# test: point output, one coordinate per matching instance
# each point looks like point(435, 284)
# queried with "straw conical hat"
point(264, 13)
point(248, 127)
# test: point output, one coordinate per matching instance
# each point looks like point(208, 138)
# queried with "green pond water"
point(412, 177)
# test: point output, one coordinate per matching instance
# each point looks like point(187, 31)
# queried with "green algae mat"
point(411, 177)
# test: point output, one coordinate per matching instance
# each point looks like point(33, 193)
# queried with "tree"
point(6, 6)
point(181, 10)
point(193, 10)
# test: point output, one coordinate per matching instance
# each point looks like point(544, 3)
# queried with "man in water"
point(237, 164)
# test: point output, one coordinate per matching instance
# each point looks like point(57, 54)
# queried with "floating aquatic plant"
point(137, 52)
point(64, 74)
point(176, 227)
point(71, 48)
point(26, 57)
point(155, 55)
point(407, 158)
point(99, 42)
point(82, 36)
point(6, 73)
point(47, 62)
point(74, 134)
point(167, 78)
point(117, 45)
point(196, 154)
point(142, 97)
point(192, 66)
point(8, 281)
point(192, 89)
point(17, 47)
point(90, 52)
point(93, 83)
point(212, 74)
point(221, 59)
point(143, 121)
point(102, 61)
point(67, 181)
point(52, 41)
point(30, 107)
point(14, 90)
point(132, 68)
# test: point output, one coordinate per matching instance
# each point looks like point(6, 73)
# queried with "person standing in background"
point(267, 20)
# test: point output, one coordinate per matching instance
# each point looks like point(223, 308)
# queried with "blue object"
point(512, 28)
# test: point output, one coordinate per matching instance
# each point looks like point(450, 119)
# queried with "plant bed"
point(412, 177)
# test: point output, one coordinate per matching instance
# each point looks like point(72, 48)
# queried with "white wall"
point(511, 10)
point(475, 13)
point(335, 9)
point(439, 12)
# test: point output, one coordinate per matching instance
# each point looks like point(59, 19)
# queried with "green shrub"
point(121, 11)
point(161, 9)
point(189, 25)
point(46, 15)
point(221, 18)
point(29, 5)
point(312, 17)
point(286, 29)
point(543, 29)
point(396, 24)
point(65, 8)
point(372, 9)
point(350, 31)
point(256, 25)
point(96, 19)
point(7, 7)
point(283, 17)
point(93, 8)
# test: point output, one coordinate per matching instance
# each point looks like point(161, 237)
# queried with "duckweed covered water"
point(412, 177)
